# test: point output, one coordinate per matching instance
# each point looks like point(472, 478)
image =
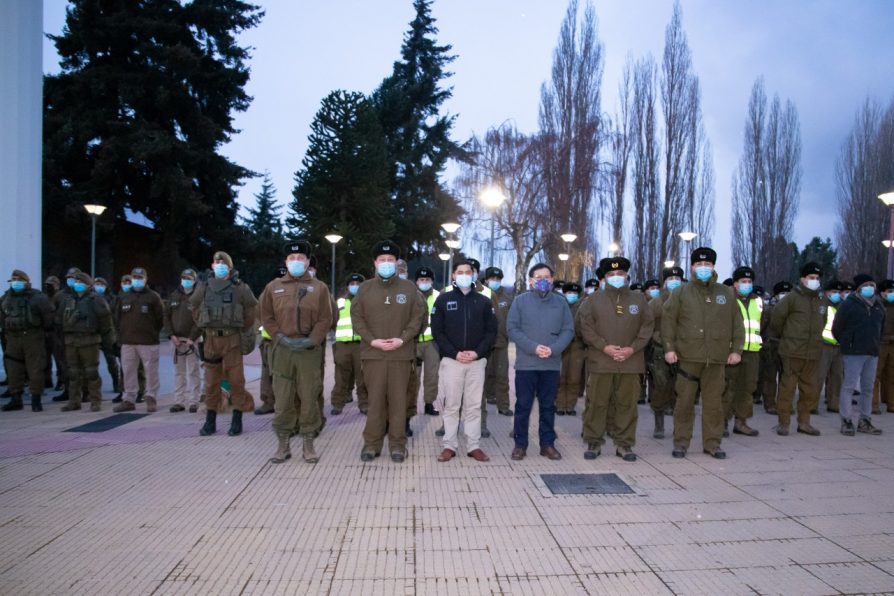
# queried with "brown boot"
point(282, 452)
point(151, 404)
point(310, 456)
point(124, 406)
point(742, 428)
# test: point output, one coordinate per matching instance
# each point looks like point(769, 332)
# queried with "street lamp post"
point(492, 197)
point(334, 239)
point(94, 211)
point(687, 237)
point(444, 256)
point(613, 249)
point(888, 199)
point(568, 238)
point(451, 227)
point(563, 256)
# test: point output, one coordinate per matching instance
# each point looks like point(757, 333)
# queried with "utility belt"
point(23, 332)
point(221, 332)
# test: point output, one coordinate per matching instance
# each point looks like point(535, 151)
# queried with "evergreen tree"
point(137, 116)
point(342, 185)
point(261, 257)
point(408, 103)
point(819, 251)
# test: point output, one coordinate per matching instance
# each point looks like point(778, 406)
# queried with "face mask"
point(703, 273)
point(813, 284)
point(889, 297)
point(654, 293)
point(424, 287)
point(571, 298)
point(672, 284)
point(616, 281)
point(99, 290)
point(543, 285)
point(782, 295)
point(296, 268)
point(17, 285)
point(139, 284)
point(220, 270)
point(386, 269)
point(844, 295)
point(187, 284)
point(402, 275)
point(836, 298)
point(312, 273)
point(867, 291)
point(80, 287)
point(70, 282)
point(125, 288)
point(602, 285)
point(589, 290)
point(494, 285)
point(745, 289)
point(464, 281)
point(353, 290)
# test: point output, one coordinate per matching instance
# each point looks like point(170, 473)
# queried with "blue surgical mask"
point(424, 287)
point(616, 281)
point(494, 285)
point(125, 288)
point(654, 293)
point(139, 284)
point(353, 290)
point(187, 284)
point(889, 297)
point(220, 271)
point(543, 285)
point(70, 282)
point(99, 290)
point(386, 269)
point(17, 285)
point(672, 284)
point(80, 287)
point(296, 268)
point(703, 273)
point(745, 289)
point(589, 291)
point(836, 298)
point(464, 281)
point(813, 284)
point(571, 298)
point(867, 291)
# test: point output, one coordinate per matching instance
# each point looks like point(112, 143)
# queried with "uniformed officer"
point(831, 368)
point(224, 308)
point(496, 385)
point(346, 354)
point(771, 365)
point(139, 318)
point(58, 335)
point(651, 288)
point(741, 379)
point(54, 349)
point(571, 377)
point(296, 311)
point(884, 379)
point(86, 323)
point(798, 321)
point(427, 357)
point(184, 334)
point(616, 325)
point(703, 332)
point(590, 286)
point(387, 313)
point(266, 381)
point(101, 288)
point(26, 316)
point(476, 272)
point(663, 375)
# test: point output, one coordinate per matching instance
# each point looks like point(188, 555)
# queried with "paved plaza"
point(152, 508)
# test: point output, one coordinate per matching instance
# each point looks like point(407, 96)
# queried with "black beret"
point(671, 272)
point(386, 247)
point(782, 286)
point(614, 264)
point(848, 286)
point(474, 263)
point(703, 253)
point(649, 283)
point(743, 272)
point(591, 283)
point(572, 287)
point(887, 284)
point(759, 290)
point(811, 268)
point(356, 277)
point(424, 272)
point(493, 272)
point(862, 278)
point(833, 286)
point(636, 286)
point(296, 247)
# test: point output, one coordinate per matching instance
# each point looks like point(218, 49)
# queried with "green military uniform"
point(770, 364)
point(702, 325)
point(267, 399)
point(831, 366)
point(346, 354)
point(112, 363)
point(26, 316)
point(663, 375)
point(496, 383)
point(741, 379)
point(573, 356)
point(428, 360)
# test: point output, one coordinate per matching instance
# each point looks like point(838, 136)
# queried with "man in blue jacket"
point(464, 326)
point(541, 326)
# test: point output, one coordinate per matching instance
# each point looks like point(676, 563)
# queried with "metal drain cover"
point(586, 484)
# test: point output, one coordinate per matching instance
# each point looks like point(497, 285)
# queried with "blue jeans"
point(859, 373)
point(542, 384)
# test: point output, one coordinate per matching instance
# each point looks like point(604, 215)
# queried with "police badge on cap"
point(614, 264)
point(424, 272)
point(301, 247)
point(493, 272)
point(703, 253)
point(386, 247)
point(743, 272)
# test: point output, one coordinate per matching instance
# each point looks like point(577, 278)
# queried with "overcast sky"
point(826, 56)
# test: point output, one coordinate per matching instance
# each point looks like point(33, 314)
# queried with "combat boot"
point(14, 404)
point(310, 456)
point(742, 428)
point(61, 397)
point(36, 406)
point(235, 424)
point(659, 425)
point(210, 426)
point(283, 452)
point(266, 408)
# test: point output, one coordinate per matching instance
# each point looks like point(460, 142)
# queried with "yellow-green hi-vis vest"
point(827, 330)
point(344, 329)
point(430, 302)
point(752, 318)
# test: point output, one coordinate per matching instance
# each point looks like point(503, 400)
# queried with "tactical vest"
point(344, 329)
point(17, 312)
point(752, 319)
point(430, 302)
point(221, 309)
point(79, 315)
point(827, 330)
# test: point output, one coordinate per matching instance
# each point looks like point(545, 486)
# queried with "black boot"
point(408, 429)
point(14, 404)
point(235, 424)
point(36, 406)
point(659, 425)
point(62, 396)
point(210, 426)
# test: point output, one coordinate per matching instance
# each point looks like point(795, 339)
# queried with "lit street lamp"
point(492, 198)
point(334, 239)
point(564, 258)
point(613, 249)
point(444, 256)
point(568, 238)
point(669, 264)
point(451, 228)
point(687, 237)
point(888, 199)
point(94, 211)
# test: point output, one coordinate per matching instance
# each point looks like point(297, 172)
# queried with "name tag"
point(279, 291)
point(144, 308)
point(452, 305)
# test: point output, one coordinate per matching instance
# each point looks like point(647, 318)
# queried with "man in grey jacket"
point(541, 326)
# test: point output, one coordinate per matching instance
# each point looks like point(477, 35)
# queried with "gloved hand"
point(297, 344)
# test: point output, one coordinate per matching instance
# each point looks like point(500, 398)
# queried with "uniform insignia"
point(401, 298)
point(721, 299)
point(387, 299)
point(125, 307)
point(434, 309)
point(310, 288)
point(452, 305)
point(503, 304)
point(822, 310)
point(175, 303)
point(279, 291)
point(633, 309)
point(144, 308)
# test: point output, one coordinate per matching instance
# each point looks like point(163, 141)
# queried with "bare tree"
point(620, 143)
point(570, 125)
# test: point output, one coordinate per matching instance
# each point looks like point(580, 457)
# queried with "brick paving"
point(152, 508)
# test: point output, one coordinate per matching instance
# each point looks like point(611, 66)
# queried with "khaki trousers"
point(131, 357)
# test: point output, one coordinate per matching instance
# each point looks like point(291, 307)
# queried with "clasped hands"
point(617, 353)
point(733, 359)
point(387, 345)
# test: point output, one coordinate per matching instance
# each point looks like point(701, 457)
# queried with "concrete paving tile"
point(579, 535)
point(874, 547)
point(749, 529)
point(457, 586)
point(537, 586)
point(651, 533)
point(854, 578)
point(782, 580)
point(708, 581)
point(848, 524)
point(610, 559)
point(624, 583)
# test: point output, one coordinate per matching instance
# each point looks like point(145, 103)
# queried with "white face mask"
point(813, 284)
point(464, 281)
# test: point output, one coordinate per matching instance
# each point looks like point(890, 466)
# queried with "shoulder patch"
point(309, 289)
point(401, 298)
point(822, 309)
point(452, 305)
point(720, 298)
point(633, 309)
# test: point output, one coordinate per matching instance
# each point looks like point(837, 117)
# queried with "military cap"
point(743, 272)
point(493, 272)
point(558, 284)
point(703, 253)
point(599, 273)
point(126, 277)
point(614, 264)
point(190, 273)
point(84, 277)
point(885, 285)
point(386, 247)
point(572, 287)
point(356, 277)
point(728, 282)
point(222, 256)
point(591, 283)
point(281, 271)
point(424, 272)
point(811, 268)
point(848, 286)
point(636, 287)
point(651, 283)
point(782, 286)
point(834, 286)
point(21, 275)
point(100, 280)
point(863, 278)
point(138, 271)
point(52, 281)
point(476, 265)
point(671, 272)
point(72, 271)
point(301, 247)
point(759, 290)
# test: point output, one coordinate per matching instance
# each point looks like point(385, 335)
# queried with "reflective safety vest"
point(827, 330)
point(344, 329)
point(430, 302)
point(752, 318)
point(264, 333)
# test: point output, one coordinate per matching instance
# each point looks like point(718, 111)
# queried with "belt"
point(22, 332)
point(221, 332)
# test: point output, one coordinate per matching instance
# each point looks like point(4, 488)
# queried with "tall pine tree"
point(259, 261)
point(137, 116)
